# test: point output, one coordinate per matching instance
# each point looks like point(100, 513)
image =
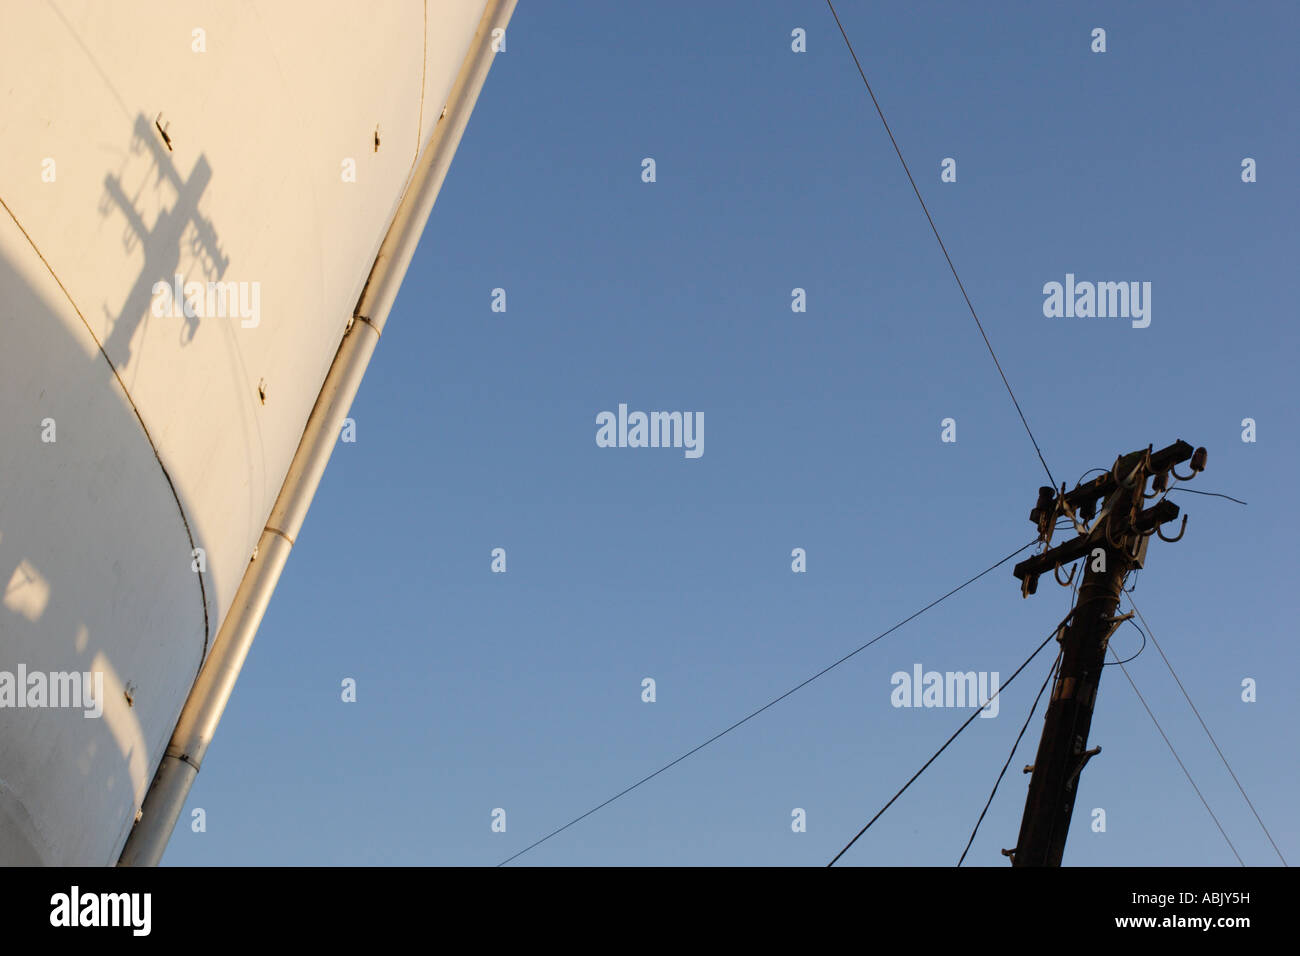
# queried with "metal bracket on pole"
point(1083, 762)
point(1114, 623)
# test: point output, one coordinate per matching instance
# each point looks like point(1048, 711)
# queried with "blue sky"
point(476, 430)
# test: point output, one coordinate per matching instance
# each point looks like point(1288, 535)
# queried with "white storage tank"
point(250, 155)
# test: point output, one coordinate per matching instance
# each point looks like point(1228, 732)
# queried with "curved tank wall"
point(258, 151)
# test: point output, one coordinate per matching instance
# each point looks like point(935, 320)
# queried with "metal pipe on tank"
point(211, 691)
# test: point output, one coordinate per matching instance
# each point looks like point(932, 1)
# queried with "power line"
point(973, 715)
point(1212, 494)
point(1210, 735)
point(1176, 757)
point(935, 230)
point(1015, 746)
point(776, 700)
point(1011, 756)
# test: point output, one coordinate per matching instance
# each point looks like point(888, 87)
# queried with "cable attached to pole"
point(1047, 640)
point(1011, 756)
point(775, 700)
point(1183, 766)
point(1206, 728)
point(935, 230)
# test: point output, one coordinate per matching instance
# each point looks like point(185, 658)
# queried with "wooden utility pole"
point(1113, 545)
